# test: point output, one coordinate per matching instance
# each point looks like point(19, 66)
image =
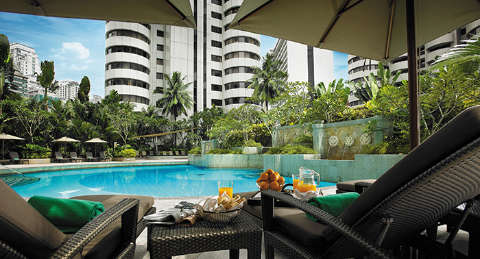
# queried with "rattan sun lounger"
point(392, 213)
point(110, 235)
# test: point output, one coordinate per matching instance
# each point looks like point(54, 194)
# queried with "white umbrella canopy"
point(4, 136)
point(170, 12)
point(66, 140)
point(373, 29)
point(96, 140)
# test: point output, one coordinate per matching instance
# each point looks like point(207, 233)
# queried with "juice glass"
point(296, 181)
point(225, 186)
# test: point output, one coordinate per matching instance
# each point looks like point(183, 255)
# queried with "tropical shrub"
point(195, 151)
point(128, 152)
point(304, 139)
point(291, 149)
point(32, 151)
point(251, 143)
point(224, 151)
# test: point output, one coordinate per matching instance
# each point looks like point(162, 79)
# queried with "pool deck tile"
point(30, 168)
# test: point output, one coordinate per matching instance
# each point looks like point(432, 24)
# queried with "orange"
point(269, 171)
point(263, 185)
point(275, 186)
point(281, 180)
point(273, 177)
point(263, 177)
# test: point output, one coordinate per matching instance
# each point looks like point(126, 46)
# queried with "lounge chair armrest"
point(268, 197)
point(127, 209)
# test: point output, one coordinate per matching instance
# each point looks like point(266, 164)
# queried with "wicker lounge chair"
point(411, 197)
point(74, 157)
point(102, 156)
point(111, 234)
point(14, 157)
point(59, 158)
point(89, 156)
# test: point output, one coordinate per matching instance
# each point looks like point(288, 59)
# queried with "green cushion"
point(333, 204)
point(66, 214)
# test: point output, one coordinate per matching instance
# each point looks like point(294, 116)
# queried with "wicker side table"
point(203, 236)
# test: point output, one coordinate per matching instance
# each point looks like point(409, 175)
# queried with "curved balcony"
point(126, 73)
point(241, 46)
point(127, 57)
point(232, 33)
point(129, 89)
point(240, 62)
point(113, 25)
point(127, 41)
point(236, 77)
point(238, 92)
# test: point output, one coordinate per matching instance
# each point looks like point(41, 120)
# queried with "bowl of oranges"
point(270, 180)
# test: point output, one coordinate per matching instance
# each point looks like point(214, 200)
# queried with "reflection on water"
point(164, 181)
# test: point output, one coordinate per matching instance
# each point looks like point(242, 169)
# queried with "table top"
point(244, 223)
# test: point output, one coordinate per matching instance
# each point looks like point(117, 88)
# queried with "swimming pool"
point(158, 181)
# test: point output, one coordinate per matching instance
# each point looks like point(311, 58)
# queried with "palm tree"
point(268, 81)
point(176, 99)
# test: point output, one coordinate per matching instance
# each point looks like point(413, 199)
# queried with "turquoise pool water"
point(158, 181)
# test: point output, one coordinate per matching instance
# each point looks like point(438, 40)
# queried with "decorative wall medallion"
point(365, 139)
point(333, 141)
point(348, 141)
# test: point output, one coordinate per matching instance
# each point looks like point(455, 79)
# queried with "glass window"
point(216, 29)
point(127, 65)
point(216, 15)
point(127, 81)
point(160, 47)
point(242, 39)
point(134, 99)
point(160, 33)
point(217, 2)
point(216, 102)
point(232, 10)
point(159, 61)
point(216, 72)
point(216, 58)
point(233, 70)
point(217, 44)
point(127, 49)
point(242, 54)
point(217, 88)
point(127, 33)
point(159, 75)
point(159, 90)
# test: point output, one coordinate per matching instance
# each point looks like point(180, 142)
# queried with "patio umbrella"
point(4, 137)
point(170, 12)
point(66, 140)
point(96, 141)
point(375, 29)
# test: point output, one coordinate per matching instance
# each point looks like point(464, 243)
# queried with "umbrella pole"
point(412, 76)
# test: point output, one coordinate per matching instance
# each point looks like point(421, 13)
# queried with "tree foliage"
point(176, 98)
point(84, 90)
point(268, 81)
point(370, 86)
point(46, 79)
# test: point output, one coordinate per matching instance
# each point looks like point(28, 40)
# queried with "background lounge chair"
point(409, 198)
point(111, 234)
point(89, 156)
point(59, 158)
point(74, 157)
point(102, 156)
point(14, 157)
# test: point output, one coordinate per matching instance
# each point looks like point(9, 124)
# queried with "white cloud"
point(75, 48)
point(78, 67)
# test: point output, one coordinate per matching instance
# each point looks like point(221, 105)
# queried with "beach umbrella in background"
point(96, 141)
point(4, 137)
point(169, 12)
point(374, 29)
point(65, 140)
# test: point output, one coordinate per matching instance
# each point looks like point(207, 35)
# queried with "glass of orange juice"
point(296, 181)
point(225, 186)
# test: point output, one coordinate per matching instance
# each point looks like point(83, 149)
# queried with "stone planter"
point(249, 150)
point(35, 161)
point(124, 159)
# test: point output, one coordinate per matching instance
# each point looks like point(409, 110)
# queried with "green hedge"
point(32, 151)
point(291, 149)
point(224, 151)
point(195, 151)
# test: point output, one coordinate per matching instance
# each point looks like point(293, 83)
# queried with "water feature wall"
point(342, 140)
point(361, 167)
point(285, 135)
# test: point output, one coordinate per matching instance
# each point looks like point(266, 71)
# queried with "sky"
point(77, 46)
